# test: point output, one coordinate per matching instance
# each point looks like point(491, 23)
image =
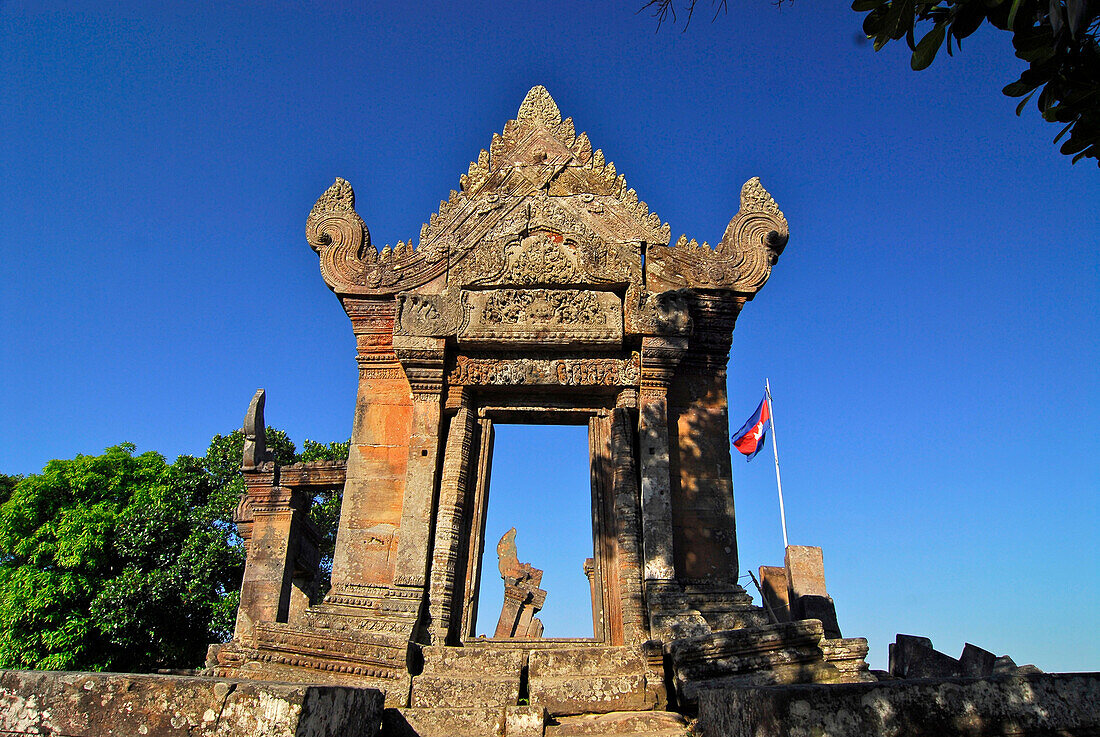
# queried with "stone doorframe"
point(459, 538)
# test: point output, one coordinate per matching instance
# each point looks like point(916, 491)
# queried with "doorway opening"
point(541, 485)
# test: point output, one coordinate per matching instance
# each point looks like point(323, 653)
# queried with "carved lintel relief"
point(751, 245)
point(494, 371)
point(537, 317)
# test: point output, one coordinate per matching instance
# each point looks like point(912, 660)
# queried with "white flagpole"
point(775, 451)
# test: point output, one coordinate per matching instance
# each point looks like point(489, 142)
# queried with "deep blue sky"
point(931, 333)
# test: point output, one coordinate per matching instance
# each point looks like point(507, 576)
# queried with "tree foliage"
point(1057, 38)
point(125, 562)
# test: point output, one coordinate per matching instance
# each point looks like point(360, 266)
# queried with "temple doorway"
point(541, 485)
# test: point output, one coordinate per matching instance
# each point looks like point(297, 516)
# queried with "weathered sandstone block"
point(1064, 704)
point(130, 705)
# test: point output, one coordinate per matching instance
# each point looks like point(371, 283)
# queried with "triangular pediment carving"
point(540, 207)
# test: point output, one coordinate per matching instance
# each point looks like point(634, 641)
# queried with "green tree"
point(7, 484)
point(105, 564)
point(124, 562)
point(1057, 38)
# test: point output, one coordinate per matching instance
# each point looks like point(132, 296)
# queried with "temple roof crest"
point(538, 173)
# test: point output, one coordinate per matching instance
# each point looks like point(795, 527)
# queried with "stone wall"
point(1063, 704)
point(130, 705)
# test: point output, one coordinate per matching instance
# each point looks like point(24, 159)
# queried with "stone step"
point(508, 721)
point(587, 680)
point(468, 677)
point(620, 724)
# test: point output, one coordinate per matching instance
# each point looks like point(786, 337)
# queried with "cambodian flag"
point(750, 438)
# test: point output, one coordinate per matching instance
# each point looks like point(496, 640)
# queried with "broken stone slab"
point(977, 662)
point(1004, 666)
point(132, 705)
point(1040, 705)
point(912, 656)
point(781, 653)
point(471, 721)
point(849, 656)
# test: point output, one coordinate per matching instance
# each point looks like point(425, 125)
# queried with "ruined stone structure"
point(522, 596)
point(543, 291)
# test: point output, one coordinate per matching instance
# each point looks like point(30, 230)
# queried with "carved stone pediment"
point(541, 207)
point(538, 317)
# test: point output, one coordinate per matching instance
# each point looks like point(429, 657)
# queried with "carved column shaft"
point(477, 526)
point(449, 524)
point(514, 597)
point(628, 521)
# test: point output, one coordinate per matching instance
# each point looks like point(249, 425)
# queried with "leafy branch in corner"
point(1057, 38)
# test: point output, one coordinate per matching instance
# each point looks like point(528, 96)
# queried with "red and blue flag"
point(750, 438)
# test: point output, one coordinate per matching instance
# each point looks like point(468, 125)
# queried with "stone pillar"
point(443, 620)
point(269, 518)
point(476, 537)
point(590, 573)
point(702, 503)
point(422, 361)
point(370, 513)
point(659, 359)
point(806, 587)
point(514, 597)
point(773, 585)
point(281, 553)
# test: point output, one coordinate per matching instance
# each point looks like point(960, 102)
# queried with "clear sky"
point(932, 332)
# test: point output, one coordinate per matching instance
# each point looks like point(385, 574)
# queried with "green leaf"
point(927, 48)
point(861, 6)
point(1018, 88)
point(1073, 145)
point(1012, 13)
point(1070, 125)
point(1020, 107)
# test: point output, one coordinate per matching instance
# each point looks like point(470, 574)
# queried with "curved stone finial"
point(742, 262)
point(508, 557)
point(349, 263)
point(340, 197)
point(255, 434)
point(539, 107)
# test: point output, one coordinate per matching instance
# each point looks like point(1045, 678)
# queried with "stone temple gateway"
point(543, 291)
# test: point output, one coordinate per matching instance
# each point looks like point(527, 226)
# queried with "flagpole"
point(775, 451)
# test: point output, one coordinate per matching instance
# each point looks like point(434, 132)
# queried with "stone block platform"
point(130, 705)
point(1032, 705)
